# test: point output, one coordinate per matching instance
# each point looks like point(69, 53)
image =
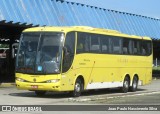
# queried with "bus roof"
point(83, 29)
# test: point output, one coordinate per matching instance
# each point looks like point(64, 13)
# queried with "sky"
point(150, 8)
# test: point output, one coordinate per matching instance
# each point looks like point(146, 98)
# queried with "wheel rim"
point(126, 84)
point(77, 87)
point(135, 83)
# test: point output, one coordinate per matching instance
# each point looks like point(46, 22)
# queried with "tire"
point(134, 84)
point(40, 93)
point(126, 84)
point(78, 87)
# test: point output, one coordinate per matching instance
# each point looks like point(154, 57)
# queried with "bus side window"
point(143, 51)
point(69, 49)
point(82, 43)
point(149, 47)
point(136, 47)
point(116, 45)
point(95, 43)
point(79, 47)
point(127, 46)
point(104, 44)
point(146, 47)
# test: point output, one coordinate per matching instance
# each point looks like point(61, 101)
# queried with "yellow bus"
point(79, 58)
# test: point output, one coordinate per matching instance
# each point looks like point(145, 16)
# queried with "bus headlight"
point(20, 79)
point(53, 81)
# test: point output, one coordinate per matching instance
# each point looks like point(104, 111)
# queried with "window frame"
point(133, 42)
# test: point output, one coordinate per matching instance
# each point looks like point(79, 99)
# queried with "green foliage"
point(156, 68)
point(156, 71)
point(4, 46)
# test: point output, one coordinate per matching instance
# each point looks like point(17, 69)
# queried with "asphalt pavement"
point(146, 95)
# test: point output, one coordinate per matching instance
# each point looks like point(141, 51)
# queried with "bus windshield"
point(39, 53)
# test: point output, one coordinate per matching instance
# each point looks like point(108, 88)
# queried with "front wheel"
point(77, 88)
point(125, 87)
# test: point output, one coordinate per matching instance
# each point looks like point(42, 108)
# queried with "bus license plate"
point(34, 86)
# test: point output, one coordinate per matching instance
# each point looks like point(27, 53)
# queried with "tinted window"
point(127, 46)
point(146, 47)
point(136, 47)
point(83, 42)
point(95, 43)
point(69, 49)
point(116, 45)
point(104, 44)
point(149, 45)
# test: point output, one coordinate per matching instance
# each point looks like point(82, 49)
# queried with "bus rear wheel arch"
point(126, 84)
point(78, 87)
point(134, 86)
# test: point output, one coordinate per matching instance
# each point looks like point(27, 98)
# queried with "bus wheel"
point(78, 87)
point(134, 84)
point(40, 93)
point(125, 87)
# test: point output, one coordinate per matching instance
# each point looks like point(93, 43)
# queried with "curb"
point(155, 78)
point(7, 85)
point(111, 97)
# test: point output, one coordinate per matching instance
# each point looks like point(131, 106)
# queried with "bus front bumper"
point(38, 86)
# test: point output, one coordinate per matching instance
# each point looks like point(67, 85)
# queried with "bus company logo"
point(34, 79)
point(6, 108)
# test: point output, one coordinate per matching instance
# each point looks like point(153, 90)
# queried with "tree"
point(4, 46)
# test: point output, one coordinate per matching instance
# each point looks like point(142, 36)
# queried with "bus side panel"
point(148, 76)
point(105, 70)
point(82, 66)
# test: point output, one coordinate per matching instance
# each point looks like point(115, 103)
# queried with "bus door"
point(68, 56)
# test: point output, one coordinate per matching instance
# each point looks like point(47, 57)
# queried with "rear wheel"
point(40, 93)
point(125, 87)
point(77, 88)
point(134, 84)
